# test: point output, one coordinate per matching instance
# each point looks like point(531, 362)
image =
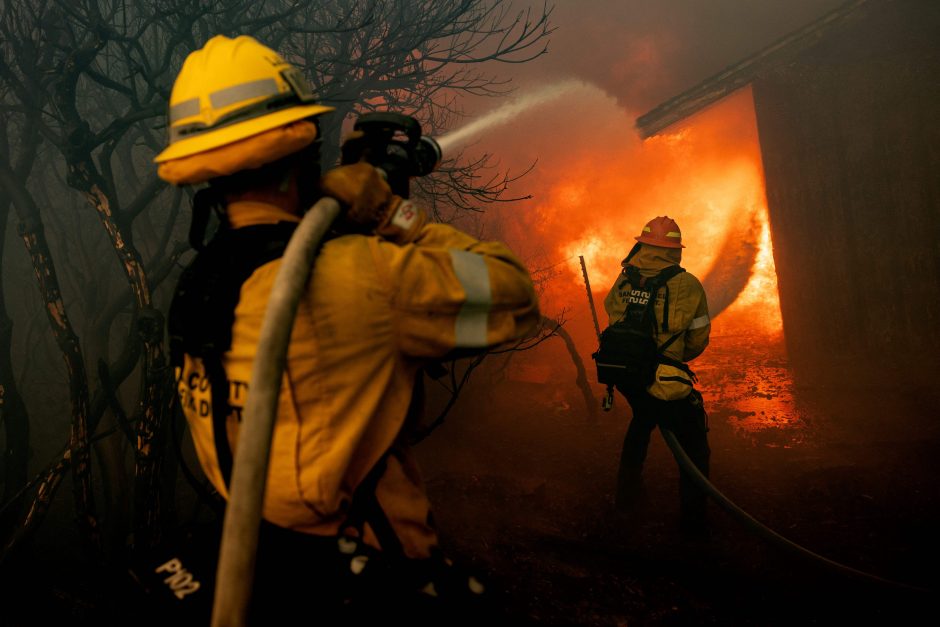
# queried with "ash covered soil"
point(522, 480)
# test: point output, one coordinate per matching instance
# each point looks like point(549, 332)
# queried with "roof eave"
point(741, 73)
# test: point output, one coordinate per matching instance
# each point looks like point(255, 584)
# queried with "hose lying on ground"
point(686, 464)
point(249, 473)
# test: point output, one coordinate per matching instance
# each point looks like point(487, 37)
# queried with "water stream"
point(507, 112)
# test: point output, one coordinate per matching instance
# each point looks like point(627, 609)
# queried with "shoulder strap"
point(219, 391)
point(662, 280)
point(664, 275)
point(662, 347)
point(203, 310)
point(635, 279)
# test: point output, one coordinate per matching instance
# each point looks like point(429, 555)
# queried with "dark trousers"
point(686, 418)
point(299, 575)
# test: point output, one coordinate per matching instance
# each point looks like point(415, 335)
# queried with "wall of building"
point(850, 139)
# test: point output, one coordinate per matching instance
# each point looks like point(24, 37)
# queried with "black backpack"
point(628, 353)
point(203, 309)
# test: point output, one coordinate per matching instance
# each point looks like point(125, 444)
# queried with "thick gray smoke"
point(645, 51)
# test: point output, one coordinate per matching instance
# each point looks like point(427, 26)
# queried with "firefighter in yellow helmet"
point(389, 293)
point(658, 320)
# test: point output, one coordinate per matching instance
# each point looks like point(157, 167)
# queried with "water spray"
point(508, 112)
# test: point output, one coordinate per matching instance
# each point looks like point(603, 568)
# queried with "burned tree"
point(417, 58)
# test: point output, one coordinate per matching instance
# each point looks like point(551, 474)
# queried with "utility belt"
point(666, 379)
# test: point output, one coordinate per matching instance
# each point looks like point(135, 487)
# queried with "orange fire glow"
point(757, 307)
point(706, 174)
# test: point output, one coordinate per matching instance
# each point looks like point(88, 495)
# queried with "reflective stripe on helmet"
point(674, 234)
point(184, 109)
point(261, 88)
point(472, 321)
point(700, 322)
point(268, 88)
point(256, 110)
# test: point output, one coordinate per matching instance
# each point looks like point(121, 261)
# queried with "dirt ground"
point(522, 480)
point(523, 490)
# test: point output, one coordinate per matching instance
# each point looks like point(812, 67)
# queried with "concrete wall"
point(850, 139)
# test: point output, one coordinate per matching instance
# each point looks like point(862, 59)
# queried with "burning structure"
point(848, 116)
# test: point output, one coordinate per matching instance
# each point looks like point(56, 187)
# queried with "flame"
point(709, 177)
point(597, 184)
point(757, 308)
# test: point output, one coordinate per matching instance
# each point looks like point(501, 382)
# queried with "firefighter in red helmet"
point(659, 320)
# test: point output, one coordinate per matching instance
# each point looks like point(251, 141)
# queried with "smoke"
point(645, 51)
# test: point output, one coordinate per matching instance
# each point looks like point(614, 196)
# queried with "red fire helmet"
point(662, 231)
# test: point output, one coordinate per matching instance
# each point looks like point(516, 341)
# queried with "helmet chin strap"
point(204, 201)
point(307, 171)
point(633, 251)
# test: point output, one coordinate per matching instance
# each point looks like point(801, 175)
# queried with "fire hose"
point(237, 554)
point(766, 533)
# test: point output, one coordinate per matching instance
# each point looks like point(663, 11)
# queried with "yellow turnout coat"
point(374, 312)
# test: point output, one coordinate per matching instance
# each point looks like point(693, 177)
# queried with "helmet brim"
point(236, 132)
point(650, 241)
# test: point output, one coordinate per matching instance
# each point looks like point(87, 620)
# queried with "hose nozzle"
point(393, 142)
point(426, 157)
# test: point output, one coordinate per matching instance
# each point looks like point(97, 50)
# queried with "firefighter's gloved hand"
point(362, 191)
point(370, 205)
point(403, 222)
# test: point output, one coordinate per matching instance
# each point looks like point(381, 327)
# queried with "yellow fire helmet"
point(230, 90)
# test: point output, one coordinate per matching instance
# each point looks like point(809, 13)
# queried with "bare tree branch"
point(84, 87)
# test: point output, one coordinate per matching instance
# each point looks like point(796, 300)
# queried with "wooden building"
point(848, 116)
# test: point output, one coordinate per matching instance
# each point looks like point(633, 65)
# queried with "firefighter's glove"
point(370, 205)
point(362, 192)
